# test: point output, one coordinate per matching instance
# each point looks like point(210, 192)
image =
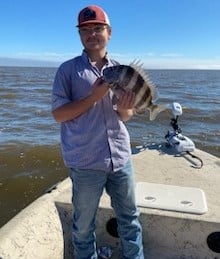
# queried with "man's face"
point(95, 36)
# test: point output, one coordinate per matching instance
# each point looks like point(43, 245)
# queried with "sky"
point(162, 34)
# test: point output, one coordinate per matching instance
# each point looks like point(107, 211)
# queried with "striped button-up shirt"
point(97, 139)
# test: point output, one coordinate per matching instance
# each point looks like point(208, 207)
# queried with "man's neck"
point(97, 58)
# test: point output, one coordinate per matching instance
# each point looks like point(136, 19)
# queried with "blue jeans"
point(88, 186)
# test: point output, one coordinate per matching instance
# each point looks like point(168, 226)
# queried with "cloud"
point(5, 61)
point(46, 56)
point(168, 61)
point(171, 55)
point(149, 60)
point(181, 63)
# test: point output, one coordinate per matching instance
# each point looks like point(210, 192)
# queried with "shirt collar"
point(86, 57)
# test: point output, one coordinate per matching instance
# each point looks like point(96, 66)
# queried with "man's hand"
point(100, 88)
point(125, 105)
point(126, 100)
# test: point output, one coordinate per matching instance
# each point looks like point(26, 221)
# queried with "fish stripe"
point(132, 82)
point(138, 85)
point(127, 75)
point(146, 97)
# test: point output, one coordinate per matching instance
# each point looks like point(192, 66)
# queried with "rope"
point(196, 157)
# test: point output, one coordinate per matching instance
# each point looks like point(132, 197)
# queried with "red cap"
point(92, 14)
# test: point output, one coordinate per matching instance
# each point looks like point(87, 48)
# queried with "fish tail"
point(155, 109)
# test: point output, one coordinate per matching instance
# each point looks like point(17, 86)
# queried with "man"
point(95, 142)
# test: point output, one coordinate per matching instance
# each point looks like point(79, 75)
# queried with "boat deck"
point(43, 229)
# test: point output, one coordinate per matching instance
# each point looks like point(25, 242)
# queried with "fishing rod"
point(176, 139)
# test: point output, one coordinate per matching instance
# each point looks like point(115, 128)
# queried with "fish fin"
point(136, 63)
point(138, 66)
point(155, 109)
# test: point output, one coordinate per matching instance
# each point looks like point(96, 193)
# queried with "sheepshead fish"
point(123, 77)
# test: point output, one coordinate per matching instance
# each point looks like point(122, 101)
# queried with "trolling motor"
point(175, 138)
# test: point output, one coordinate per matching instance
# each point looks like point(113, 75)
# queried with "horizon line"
point(30, 62)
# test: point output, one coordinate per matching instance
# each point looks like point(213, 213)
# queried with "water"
point(30, 158)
